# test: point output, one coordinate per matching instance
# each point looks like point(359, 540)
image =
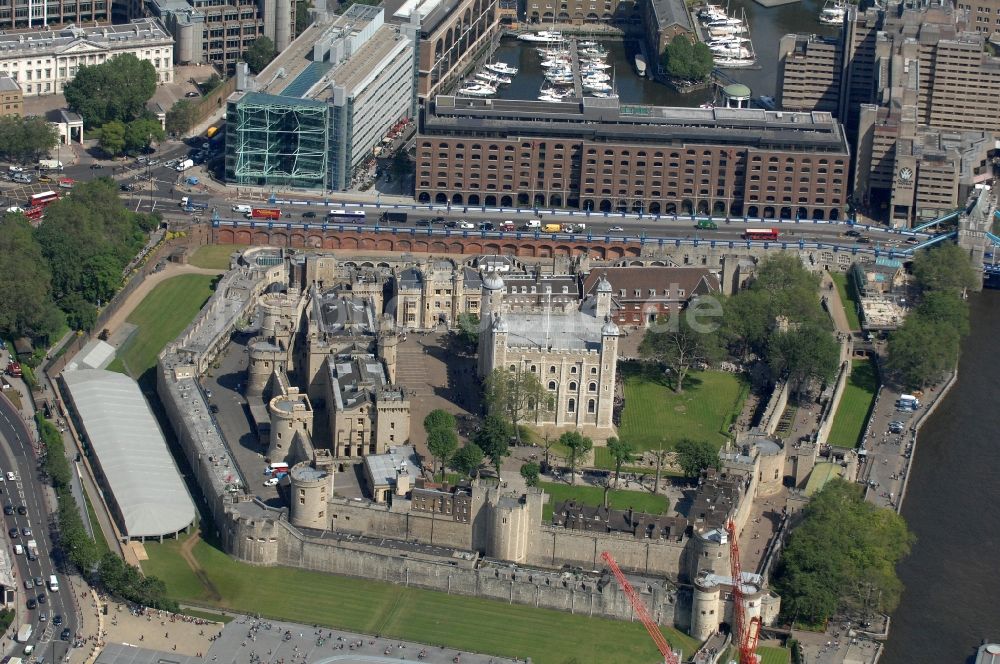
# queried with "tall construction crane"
point(647, 620)
point(744, 635)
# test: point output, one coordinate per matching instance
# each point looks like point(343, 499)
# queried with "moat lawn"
point(372, 607)
point(852, 413)
point(161, 316)
point(641, 501)
point(214, 256)
point(654, 413)
point(845, 288)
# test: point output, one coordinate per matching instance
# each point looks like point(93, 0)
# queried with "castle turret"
point(603, 298)
point(388, 344)
point(490, 309)
point(311, 489)
point(289, 413)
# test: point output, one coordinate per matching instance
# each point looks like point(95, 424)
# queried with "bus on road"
point(760, 234)
point(43, 199)
point(346, 216)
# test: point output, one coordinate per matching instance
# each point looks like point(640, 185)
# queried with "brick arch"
point(633, 251)
point(473, 248)
point(349, 242)
point(543, 251)
point(614, 252)
point(599, 252)
point(297, 240)
point(403, 245)
point(563, 250)
point(386, 244)
point(367, 242)
point(420, 246)
point(439, 247)
point(224, 236)
point(582, 249)
point(244, 236)
point(509, 249)
point(261, 238)
point(492, 248)
point(456, 248)
point(314, 240)
point(331, 242)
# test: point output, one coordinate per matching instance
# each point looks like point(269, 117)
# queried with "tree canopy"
point(113, 138)
point(442, 440)
point(530, 472)
point(622, 452)
point(26, 305)
point(687, 61)
point(694, 456)
point(467, 460)
point(141, 133)
point(577, 446)
point(945, 266)
point(802, 355)
point(117, 89)
point(24, 140)
point(493, 438)
point(260, 53)
point(516, 395)
point(842, 558)
point(181, 117)
point(676, 344)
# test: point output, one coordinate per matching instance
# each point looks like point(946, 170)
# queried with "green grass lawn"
point(852, 413)
point(99, 538)
point(592, 495)
point(768, 655)
point(161, 316)
point(654, 413)
point(214, 256)
point(464, 623)
point(847, 297)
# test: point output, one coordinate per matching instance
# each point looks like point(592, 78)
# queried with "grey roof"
point(355, 378)
point(385, 468)
point(96, 354)
point(337, 314)
point(577, 329)
point(671, 12)
point(131, 451)
point(140, 32)
point(7, 84)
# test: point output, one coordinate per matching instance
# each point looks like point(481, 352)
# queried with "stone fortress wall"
point(425, 550)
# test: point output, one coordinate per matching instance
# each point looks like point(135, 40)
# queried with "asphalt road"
point(18, 456)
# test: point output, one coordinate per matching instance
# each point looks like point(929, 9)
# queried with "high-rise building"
point(18, 14)
point(598, 154)
point(809, 73)
point(318, 129)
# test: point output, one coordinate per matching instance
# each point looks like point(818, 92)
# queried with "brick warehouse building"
point(599, 155)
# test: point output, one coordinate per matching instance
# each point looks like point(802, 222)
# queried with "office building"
point(601, 155)
point(583, 12)
point(21, 14)
point(43, 61)
point(447, 36)
point(809, 73)
point(218, 33)
point(319, 129)
point(11, 97)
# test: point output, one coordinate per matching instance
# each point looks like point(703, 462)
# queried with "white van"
point(910, 399)
point(532, 224)
point(53, 583)
point(18, 550)
point(242, 209)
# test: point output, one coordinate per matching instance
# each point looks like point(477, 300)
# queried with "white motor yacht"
point(502, 68)
point(493, 79)
point(477, 90)
point(833, 14)
point(544, 36)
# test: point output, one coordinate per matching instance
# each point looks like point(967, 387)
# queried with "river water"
point(767, 26)
point(952, 577)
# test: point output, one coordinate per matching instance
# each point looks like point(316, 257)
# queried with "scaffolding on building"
point(278, 141)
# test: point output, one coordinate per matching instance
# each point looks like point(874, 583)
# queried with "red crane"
point(647, 620)
point(745, 635)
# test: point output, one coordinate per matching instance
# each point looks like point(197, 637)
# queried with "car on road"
point(214, 409)
point(66, 634)
point(309, 215)
point(22, 510)
point(852, 233)
point(32, 604)
point(15, 169)
point(11, 476)
point(896, 427)
point(451, 224)
point(424, 223)
point(57, 619)
point(44, 179)
point(486, 226)
point(13, 532)
point(26, 532)
point(18, 550)
point(39, 582)
point(192, 94)
point(154, 162)
point(43, 617)
point(8, 510)
point(616, 229)
point(437, 220)
point(863, 240)
point(273, 481)
point(42, 598)
point(912, 240)
point(95, 166)
point(466, 225)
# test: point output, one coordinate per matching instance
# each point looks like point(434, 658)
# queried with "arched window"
point(592, 406)
point(592, 387)
point(552, 369)
point(552, 385)
point(571, 406)
point(513, 367)
point(593, 371)
point(572, 370)
point(572, 386)
point(534, 368)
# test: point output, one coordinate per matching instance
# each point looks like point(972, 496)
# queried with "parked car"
point(8, 510)
point(466, 225)
point(32, 604)
point(66, 634)
point(616, 229)
point(95, 166)
point(192, 94)
point(309, 215)
point(272, 481)
point(13, 532)
point(486, 226)
point(22, 510)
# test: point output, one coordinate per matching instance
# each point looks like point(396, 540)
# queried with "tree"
point(842, 557)
point(493, 438)
point(530, 472)
point(921, 351)
point(141, 133)
point(117, 89)
point(679, 348)
point(468, 330)
point(210, 84)
point(946, 308)
point(694, 456)
point(467, 460)
point(24, 140)
point(181, 117)
point(944, 266)
point(687, 61)
point(621, 452)
point(578, 445)
point(401, 165)
point(113, 138)
point(260, 53)
point(442, 443)
point(517, 394)
point(746, 321)
point(303, 17)
point(802, 355)
point(26, 305)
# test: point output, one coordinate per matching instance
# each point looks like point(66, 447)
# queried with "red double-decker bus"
point(43, 199)
point(34, 212)
point(264, 213)
point(760, 234)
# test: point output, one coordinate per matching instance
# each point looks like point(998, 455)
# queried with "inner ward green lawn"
point(852, 413)
point(654, 413)
point(161, 316)
point(464, 623)
point(593, 495)
point(846, 291)
point(214, 256)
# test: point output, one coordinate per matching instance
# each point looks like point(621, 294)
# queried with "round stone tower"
point(311, 488)
point(710, 552)
point(707, 612)
point(771, 467)
point(289, 413)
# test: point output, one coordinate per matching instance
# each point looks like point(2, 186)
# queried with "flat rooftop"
point(343, 315)
point(608, 120)
point(367, 60)
point(577, 329)
point(13, 43)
